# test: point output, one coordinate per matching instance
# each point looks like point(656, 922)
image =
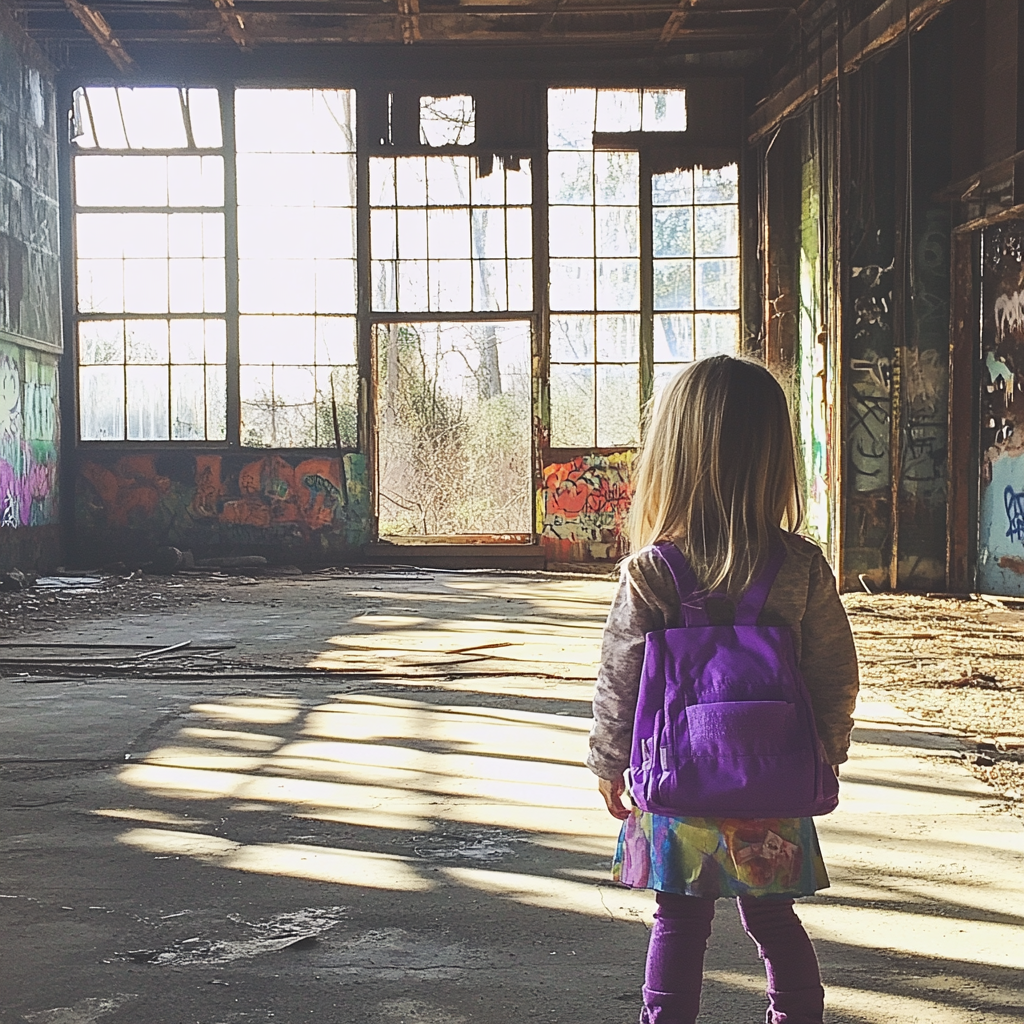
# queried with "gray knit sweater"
point(803, 597)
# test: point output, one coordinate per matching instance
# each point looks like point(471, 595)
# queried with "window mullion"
point(234, 406)
point(646, 285)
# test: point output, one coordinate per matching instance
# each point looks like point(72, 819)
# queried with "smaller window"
point(146, 118)
point(447, 121)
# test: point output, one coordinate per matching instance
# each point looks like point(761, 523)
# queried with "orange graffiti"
point(133, 484)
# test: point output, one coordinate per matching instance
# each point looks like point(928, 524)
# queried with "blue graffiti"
point(1014, 513)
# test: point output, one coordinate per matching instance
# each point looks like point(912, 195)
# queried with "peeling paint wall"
point(289, 508)
point(582, 507)
point(30, 316)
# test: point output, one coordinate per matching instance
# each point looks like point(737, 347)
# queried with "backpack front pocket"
point(748, 728)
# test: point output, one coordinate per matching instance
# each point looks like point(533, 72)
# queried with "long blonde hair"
point(717, 471)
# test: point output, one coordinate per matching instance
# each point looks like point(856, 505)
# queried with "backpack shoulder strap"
point(752, 603)
point(691, 602)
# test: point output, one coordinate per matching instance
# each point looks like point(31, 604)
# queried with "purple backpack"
point(724, 726)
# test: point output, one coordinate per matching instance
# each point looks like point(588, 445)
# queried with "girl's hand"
point(612, 790)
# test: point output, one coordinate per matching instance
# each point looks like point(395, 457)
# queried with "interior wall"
point(30, 314)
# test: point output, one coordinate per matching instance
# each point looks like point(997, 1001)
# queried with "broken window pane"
point(453, 421)
point(716, 185)
point(147, 118)
point(447, 120)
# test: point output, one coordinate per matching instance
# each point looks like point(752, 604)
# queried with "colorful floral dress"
point(720, 857)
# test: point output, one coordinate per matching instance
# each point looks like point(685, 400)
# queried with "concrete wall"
point(30, 313)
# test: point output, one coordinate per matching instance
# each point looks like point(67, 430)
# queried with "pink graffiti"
point(19, 491)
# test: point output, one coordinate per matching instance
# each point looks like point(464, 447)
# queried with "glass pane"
point(216, 403)
point(185, 234)
point(412, 234)
point(571, 115)
point(256, 384)
point(664, 110)
point(489, 287)
point(718, 284)
point(717, 334)
point(295, 120)
point(477, 423)
point(105, 111)
point(204, 113)
point(520, 284)
point(617, 178)
point(216, 341)
point(673, 284)
point(447, 181)
point(571, 284)
point(571, 230)
point(618, 231)
point(618, 338)
point(673, 232)
point(618, 405)
point(618, 284)
point(335, 340)
point(145, 286)
point(411, 180)
point(717, 230)
point(335, 286)
point(412, 285)
point(337, 388)
point(276, 286)
point(488, 234)
point(382, 181)
point(188, 341)
point(618, 110)
point(673, 338)
point(447, 120)
point(147, 403)
point(489, 190)
point(572, 339)
point(294, 412)
point(213, 286)
point(520, 233)
point(450, 285)
point(100, 286)
point(448, 234)
point(383, 235)
point(384, 284)
point(146, 341)
point(716, 185)
point(572, 406)
point(571, 178)
point(100, 341)
point(186, 286)
point(519, 185)
point(188, 403)
point(195, 181)
point(672, 189)
point(153, 117)
point(101, 402)
point(121, 180)
point(266, 340)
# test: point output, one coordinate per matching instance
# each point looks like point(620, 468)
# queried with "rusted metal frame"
point(96, 25)
point(409, 20)
point(540, 433)
point(233, 411)
point(179, 151)
point(882, 29)
point(232, 20)
point(963, 411)
point(978, 223)
point(646, 287)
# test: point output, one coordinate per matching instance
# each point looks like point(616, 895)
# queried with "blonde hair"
point(717, 471)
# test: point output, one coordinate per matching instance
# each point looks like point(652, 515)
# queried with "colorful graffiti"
point(216, 501)
point(28, 438)
point(583, 505)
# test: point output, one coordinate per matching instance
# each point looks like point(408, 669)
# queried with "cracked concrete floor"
point(373, 809)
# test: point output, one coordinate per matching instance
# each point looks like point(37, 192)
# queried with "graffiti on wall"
point(870, 386)
point(28, 438)
point(583, 507)
point(203, 501)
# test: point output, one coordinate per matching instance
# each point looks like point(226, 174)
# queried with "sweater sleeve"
point(635, 611)
point(829, 661)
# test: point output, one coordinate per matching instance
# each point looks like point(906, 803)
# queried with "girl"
point(717, 476)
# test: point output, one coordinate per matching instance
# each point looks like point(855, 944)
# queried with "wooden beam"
point(96, 25)
point(233, 22)
point(875, 33)
point(409, 15)
point(676, 21)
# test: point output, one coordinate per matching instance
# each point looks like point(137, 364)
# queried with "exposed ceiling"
point(693, 25)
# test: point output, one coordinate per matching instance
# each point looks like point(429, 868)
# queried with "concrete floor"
point(423, 845)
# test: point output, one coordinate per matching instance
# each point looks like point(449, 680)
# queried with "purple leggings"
point(675, 960)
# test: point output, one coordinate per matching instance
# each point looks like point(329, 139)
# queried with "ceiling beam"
point(676, 20)
point(96, 25)
point(409, 20)
point(233, 22)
